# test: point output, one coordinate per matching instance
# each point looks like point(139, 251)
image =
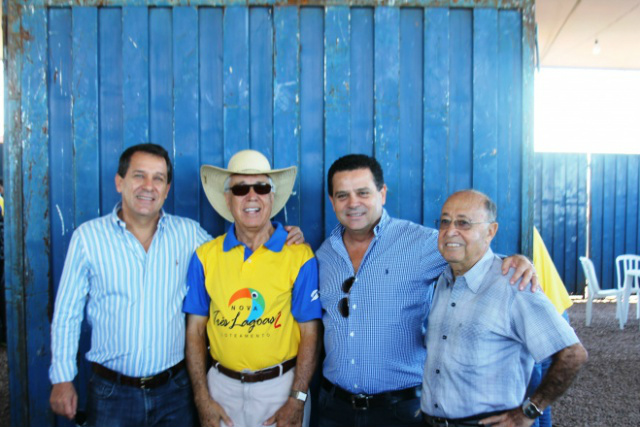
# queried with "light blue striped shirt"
point(380, 346)
point(133, 298)
point(483, 336)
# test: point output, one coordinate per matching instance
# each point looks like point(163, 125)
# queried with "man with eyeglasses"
point(376, 274)
point(483, 335)
point(255, 299)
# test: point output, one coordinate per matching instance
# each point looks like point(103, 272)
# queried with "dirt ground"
point(606, 392)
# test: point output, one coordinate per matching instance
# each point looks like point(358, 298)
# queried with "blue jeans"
point(338, 413)
point(113, 405)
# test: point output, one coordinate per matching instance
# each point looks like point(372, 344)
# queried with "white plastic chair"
point(596, 292)
point(623, 264)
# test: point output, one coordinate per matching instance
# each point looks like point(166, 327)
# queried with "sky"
point(587, 111)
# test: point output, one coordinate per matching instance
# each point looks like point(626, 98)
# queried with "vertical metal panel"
point(135, 86)
point(559, 204)
point(410, 104)
point(387, 108)
point(620, 206)
point(111, 124)
point(312, 177)
point(186, 182)
point(361, 82)
point(510, 134)
point(85, 113)
point(161, 84)
point(608, 222)
point(211, 107)
point(436, 113)
point(570, 244)
point(337, 106)
point(578, 287)
point(236, 80)
point(485, 101)
point(597, 210)
point(35, 196)
point(286, 102)
point(460, 149)
point(261, 79)
point(632, 213)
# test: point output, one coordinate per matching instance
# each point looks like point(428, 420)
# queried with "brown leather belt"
point(257, 376)
point(152, 381)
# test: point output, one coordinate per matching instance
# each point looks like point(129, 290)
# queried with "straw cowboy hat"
point(246, 162)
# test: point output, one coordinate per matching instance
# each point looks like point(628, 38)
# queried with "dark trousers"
point(335, 412)
point(114, 405)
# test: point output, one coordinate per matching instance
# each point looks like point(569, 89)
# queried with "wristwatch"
point(299, 395)
point(530, 410)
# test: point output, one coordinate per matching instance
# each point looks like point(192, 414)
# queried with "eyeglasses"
point(458, 224)
point(261, 188)
point(343, 304)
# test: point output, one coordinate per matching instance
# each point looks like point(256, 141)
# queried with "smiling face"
point(144, 187)
point(251, 211)
point(356, 200)
point(462, 249)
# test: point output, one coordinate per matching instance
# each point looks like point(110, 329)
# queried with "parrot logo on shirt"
point(257, 302)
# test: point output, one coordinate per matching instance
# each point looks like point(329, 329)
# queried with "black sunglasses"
point(261, 188)
point(343, 304)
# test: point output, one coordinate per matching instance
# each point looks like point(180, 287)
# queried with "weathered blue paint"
point(236, 80)
point(294, 82)
point(570, 244)
point(211, 107)
point(35, 194)
point(485, 102)
point(559, 213)
point(261, 69)
point(632, 214)
point(499, 4)
point(110, 92)
point(361, 81)
point(387, 108)
point(460, 146)
point(436, 113)
point(620, 207)
point(510, 133)
point(186, 182)
point(85, 113)
point(312, 181)
point(286, 101)
point(161, 84)
point(410, 108)
point(337, 106)
point(135, 85)
point(597, 193)
point(608, 222)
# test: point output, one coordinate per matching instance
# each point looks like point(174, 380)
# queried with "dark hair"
point(351, 162)
point(154, 149)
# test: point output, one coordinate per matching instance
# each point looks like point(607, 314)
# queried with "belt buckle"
point(242, 377)
point(144, 380)
point(356, 398)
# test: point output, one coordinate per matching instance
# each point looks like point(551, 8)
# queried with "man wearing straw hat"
point(255, 299)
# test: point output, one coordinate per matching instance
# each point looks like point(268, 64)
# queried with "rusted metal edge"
point(15, 36)
point(528, 70)
point(498, 4)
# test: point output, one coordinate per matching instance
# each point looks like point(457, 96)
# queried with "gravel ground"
point(606, 392)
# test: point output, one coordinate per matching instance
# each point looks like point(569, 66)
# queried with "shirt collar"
point(115, 219)
point(474, 277)
point(274, 244)
point(385, 219)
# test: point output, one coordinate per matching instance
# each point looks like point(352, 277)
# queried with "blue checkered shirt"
point(483, 336)
point(380, 346)
point(133, 298)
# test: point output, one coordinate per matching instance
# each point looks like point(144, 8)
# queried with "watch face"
point(530, 410)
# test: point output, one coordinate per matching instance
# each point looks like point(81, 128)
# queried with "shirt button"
point(353, 361)
point(249, 261)
point(355, 386)
point(437, 371)
point(354, 306)
point(453, 304)
point(351, 334)
point(436, 405)
point(444, 337)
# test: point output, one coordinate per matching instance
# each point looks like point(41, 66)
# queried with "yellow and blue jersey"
point(254, 300)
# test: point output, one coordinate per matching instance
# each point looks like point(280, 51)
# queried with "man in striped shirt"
point(129, 269)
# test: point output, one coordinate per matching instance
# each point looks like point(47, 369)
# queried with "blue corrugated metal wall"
point(560, 212)
point(441, 96)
